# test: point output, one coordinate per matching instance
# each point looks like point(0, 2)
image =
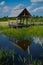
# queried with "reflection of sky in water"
point(36, 48)
point(38, 40)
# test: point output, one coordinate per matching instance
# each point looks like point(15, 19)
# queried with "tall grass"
point(9, 58)
point(22, 32)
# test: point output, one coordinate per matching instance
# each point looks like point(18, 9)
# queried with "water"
point(5, 44)
point(36, 47)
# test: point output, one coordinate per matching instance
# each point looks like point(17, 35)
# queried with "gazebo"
point(21, 15)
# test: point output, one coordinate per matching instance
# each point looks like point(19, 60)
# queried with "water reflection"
point(35, 51)
point(38, 40)
point(36, 48)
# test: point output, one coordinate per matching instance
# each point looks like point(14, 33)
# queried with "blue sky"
point(7, 7)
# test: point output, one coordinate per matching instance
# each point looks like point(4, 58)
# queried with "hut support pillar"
point(16, 20)
point(20, 20)
point(26, 20)
point(23, 20)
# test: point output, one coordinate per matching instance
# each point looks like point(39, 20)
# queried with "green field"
point(21, 32)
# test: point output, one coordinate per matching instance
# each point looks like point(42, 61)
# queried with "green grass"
point(21, 32)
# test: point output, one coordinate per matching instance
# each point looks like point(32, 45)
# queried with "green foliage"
point(21, 33)
point(6, 18)
point(6, 57)
point(35, 18)
point(12, 18)
point(24, 32)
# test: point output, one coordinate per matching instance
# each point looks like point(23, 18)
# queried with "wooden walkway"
point(19, 25)
point(23, 25)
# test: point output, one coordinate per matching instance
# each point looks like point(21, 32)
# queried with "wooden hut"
point(21, 15)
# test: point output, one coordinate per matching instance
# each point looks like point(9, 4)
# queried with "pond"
point(36, 47)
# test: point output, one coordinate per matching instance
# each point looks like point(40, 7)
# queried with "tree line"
point(13, 18)
point(6, 18)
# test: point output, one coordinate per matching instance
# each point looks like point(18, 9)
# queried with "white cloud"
point(6, 9)
point(36, 0)
point(29, 7)
point(19, 6)
point(37, 9)
point(2, 3)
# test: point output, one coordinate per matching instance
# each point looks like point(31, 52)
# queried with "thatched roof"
point(21, 12)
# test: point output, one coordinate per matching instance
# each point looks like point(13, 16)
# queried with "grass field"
point(5, 23)
point(33, 20)
point(21, 32)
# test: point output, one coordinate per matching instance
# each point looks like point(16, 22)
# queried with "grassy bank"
point(21, 32)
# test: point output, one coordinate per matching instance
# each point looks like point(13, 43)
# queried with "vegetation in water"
point(9, 58)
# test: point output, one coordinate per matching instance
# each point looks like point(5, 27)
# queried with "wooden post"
point(23, 20)
point(26, 21)
point(16, 20)
point(20, 20)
